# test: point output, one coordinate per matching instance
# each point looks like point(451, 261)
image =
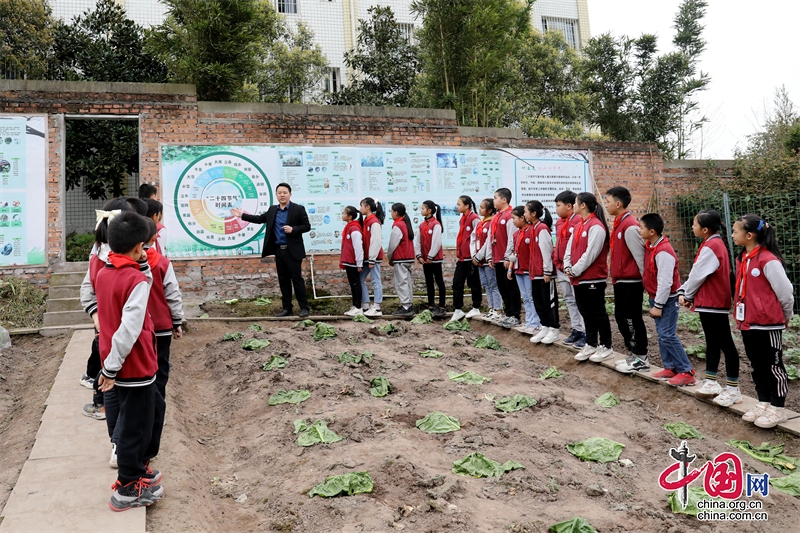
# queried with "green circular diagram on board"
point(213, 185)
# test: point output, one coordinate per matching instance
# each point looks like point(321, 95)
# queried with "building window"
point(333, 83)
point(567, 28)
point(287, 6)
point(407, 31)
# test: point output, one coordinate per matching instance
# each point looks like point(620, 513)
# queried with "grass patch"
point(21, 304)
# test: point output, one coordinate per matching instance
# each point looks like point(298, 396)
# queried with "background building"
point(335, 22)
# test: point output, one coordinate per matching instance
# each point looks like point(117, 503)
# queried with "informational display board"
point(202, 183)
point(23, 196)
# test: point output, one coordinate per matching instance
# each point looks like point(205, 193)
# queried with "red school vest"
point(368, 222)
point(159, 227)
point(464, 234)
point(522, 249)
point(564, 228)
point(761, 304)
point(482, 232)
point(580, 242)
point(715, 292)
point(623, 265)
point(157, 303)
point(348, 255)
point(651, 271)
point(500, 235)
point(405, 249)
point(426, 237)
point(540, 231)
point(113, 287)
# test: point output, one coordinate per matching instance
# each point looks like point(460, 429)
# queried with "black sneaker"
point(439, 312)
point(639, 364)
point(580, 342)
point(573, 336)
point(134, 494)
point(400, 311)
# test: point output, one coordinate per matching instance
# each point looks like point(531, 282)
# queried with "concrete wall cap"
point(96, 87)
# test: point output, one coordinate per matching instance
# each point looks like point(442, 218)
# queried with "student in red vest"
point(155, 212)
point(372, 211)
point(501, 238)
point(586, 263)
point(401, 256)
point(565, 225)
point(708, 291)
point(129, 361)
point(465, 270)
point(351, 259)
point(763, 300)
point(480, 253)
point(661, 281)
point(428, 249)
point(627, 267)
point(542, 273)
point(520, 259)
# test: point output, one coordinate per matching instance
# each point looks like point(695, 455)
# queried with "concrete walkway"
point(66, 482)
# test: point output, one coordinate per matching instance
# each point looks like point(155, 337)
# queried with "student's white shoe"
point(458, 314)
point(373, 311)
point(602, 354)
point(354, 311)
point(585, 353)
point(541, 334)
point(552, 336)
point(491, 315)
point(771, 417)
point(709, 389)
point(473, 313)
point(113, 461)
point(728, 397)
point(755, 412)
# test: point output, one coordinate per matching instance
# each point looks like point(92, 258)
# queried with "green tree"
point(548, 100)
point(217, 45)
point(467, 56)
point(291, 67)
point(26, 35)
point(384, 64)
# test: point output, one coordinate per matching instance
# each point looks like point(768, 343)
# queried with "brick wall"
point(171, 114)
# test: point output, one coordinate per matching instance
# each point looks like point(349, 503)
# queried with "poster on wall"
point(23, 196)
point(201, 184)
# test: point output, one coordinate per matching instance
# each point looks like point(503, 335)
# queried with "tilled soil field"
point(231, 463)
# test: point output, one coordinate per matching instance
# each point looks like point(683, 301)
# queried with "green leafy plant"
point(255, 345)
point(597, 449)
point(551, 372)
point(289, 396)
point(792, 373)
point(425, 317)
point(478, 465)
point(345, 484)
point(347, 357)
point(487, 342)
point(262, 301)
point(275, 362)
point(316, 433)
point(307, 323)
point(792, 355)
point(388, 329)
point(438, 422)
point(473, 378)
point(682, 430)
point(607, 400)
point(231, 301)
point(362, 318)
point(379, 387)
point(691, 321)
point(324, 331)
point(235, 336)
point(255, 327)
point(698, 350)
point(456, 325)
point(79, 246)
point(517, 402)
point(431, 353)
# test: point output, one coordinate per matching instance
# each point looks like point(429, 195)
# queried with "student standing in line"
point(661, 281)
point(520, 259)
point(401, 256)
point(543, 284)
point(586, 263)
point(155, 212)
point(372, 211)
point(501, 237)
point(708, 291)
point(565, 225)
point(627, 267)
point(428, 250)
point(465, 270)
point(352, 256)
point(763, 301)
point(482, 259)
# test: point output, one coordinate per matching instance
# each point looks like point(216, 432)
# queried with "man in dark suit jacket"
point(286, 223)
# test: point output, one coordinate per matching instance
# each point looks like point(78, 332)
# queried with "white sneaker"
point(473, 313)
point(753, 414)
point(541, 334)
point(354, 311)
point(728, 397)
point(602, 354)
point(586, 353)
point(709, 389)
point(552, 336)
point(491, 315)
point(373, 311)
point(458, 314)
point(113, 461)
point(771, 417)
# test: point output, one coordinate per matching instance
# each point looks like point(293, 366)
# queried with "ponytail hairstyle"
point(541, 212)
point(594, 207)
point(765, 233)
point(466, 200)
point(400, 209)
point(433, 206)
point(352, 212)
point(488, 204)
point(375, 207)
point(101, 232)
